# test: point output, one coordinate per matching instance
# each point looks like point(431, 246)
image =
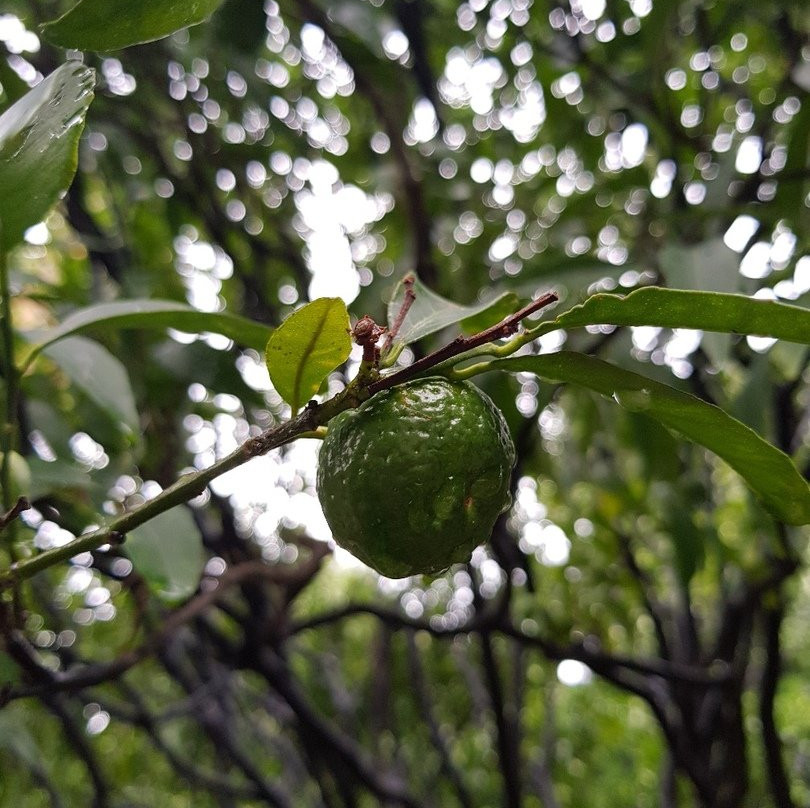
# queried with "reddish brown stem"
point(505, 328)
point(407, 282)
point(22, 504)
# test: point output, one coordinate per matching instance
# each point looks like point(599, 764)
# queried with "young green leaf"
point(306, 347)
point(168, 552)
point(101, 376)
point(430, 312)
point(39, 141)
point(770, 473)
point(106, 25)
point(678, 308)
point(151, 314)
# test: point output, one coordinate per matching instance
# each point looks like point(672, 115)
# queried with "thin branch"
point(97, 674)
point(486, 622)
point(505, 725)
point(422, 693)
point(196, 776)
point(541, 771)
point(777, 776)
point(214, 722)
point(384, 784)
point(654, 608)
point(22, 504)
point(460, 345)
point(79, 744)
point(407, 302)
point(307, 421)
point(184, 489)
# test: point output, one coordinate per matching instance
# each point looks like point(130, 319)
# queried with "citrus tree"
point(565, 423)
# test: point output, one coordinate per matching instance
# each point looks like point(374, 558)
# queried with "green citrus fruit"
point(412, 480)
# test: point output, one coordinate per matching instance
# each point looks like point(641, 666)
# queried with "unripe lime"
point(412, 481)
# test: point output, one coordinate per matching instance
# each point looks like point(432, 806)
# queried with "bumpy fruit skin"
point(413, 480)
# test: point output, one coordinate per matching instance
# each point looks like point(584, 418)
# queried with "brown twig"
point(505, 328)
point(407, 302)
point(22, 504)
point(97, 674)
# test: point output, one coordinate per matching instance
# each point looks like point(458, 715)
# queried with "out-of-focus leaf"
point(791, 190)
point(9, 674)
point(769, 472)
point(306, 347)
point(678, 308)
point(710, 266)
point(240, 24)
point(13, 86)
point(168, 552)
point(105, 25)
point(151, 314)
point(573, 272)
point(93, 369)
point(501, 308)
point(39, 140)
point(431, 312)
point(16, 736)
point(57, 475)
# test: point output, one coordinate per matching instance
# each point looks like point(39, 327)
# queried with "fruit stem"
point(407, 302)
point(462, 345)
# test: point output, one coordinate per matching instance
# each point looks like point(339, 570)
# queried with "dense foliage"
point(633, 632)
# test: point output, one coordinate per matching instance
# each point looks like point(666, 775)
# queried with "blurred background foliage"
point(634, 634)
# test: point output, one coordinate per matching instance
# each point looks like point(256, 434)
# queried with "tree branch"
point(460, 345)
point(305, 423)
point(97, 674)
point(422, 693)
point(777, 776)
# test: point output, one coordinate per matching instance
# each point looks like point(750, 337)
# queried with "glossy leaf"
point(769, 472)
point(168, 552)
point(105, 25)
point(431, 312)
point(39, 139)
point(152, 314)
point(308, 345)
point(678, 308)
point(101, 376)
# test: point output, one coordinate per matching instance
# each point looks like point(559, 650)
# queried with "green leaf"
point(94, 370)
point(306, 347)
point(151, 314)
point(105, 25)
point(56, 475)
point(430, 312)
point(678, 308)
point(508, 303)
point(710, 265)
point(769, 472)
point(168, 552)
point(39, 141)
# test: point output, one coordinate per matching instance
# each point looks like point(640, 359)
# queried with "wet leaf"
point(39, 141)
